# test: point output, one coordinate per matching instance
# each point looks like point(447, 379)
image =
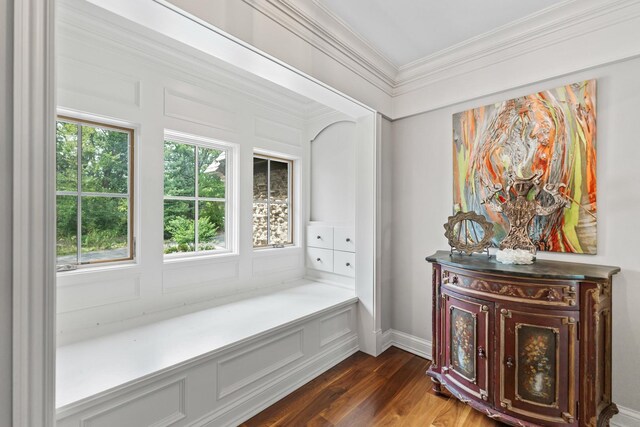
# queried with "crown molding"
point(327, 33)
point(566, 20)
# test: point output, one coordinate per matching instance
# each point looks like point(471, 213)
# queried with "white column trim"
point(33, 215)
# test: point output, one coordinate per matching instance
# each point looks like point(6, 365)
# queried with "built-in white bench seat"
point(211, 367)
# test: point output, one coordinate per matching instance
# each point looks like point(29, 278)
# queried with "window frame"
point(230, 197)
point(100, 122)
point(291, 196)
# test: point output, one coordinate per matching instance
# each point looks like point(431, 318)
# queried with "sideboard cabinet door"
point(537, 365)
point(468, 349)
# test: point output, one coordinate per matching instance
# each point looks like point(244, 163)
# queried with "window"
point(94, 204)
point(195, 195)
point(272, 216)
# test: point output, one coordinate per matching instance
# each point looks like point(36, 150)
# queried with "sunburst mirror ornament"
point(468, 232)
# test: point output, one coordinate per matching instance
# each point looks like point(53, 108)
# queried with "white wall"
point(386, 180)
point(154, 92)
point(6, 194)
point(421, 196)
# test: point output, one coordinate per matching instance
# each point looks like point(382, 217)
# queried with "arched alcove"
point(333, 174)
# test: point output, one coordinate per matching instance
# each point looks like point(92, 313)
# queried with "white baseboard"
point(412, 344)
point(626, 418)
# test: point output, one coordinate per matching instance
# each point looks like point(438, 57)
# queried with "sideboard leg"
point(606, 414)
point(437, 387)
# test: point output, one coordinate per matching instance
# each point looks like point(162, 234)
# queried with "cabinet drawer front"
point(551, 293)
point(468, 349)
point(343, 239)
point(320, 259)
point(538, 364)
point(320, 236)
point(344, 263)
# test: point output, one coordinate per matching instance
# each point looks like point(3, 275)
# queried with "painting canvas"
point(552, 131)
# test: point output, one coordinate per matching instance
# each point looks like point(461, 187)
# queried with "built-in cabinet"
point(527, 345)
point(331, 249)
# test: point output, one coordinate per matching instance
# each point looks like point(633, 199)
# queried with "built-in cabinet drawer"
point(343, 239)
point(344, 263)
point(320, 259)
point(331, 249)
point(320, 236)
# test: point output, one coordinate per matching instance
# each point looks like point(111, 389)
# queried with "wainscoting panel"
point(336, 326)
point(182, 277)
point(253, 364)
point(227, 386)
point(278, 132)
point(276, 264)
point(196, 110)
point(87, 294)
point(86, 79)
point(160, 406)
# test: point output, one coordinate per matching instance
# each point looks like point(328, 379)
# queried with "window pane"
point(179, 226)
point(66, 230)
point(105, 160)
point(66, 156)
point(211, 226)
point(260, 190)
point(279, 224)
point(211, 172)
point(279, 203)
point(179, 169)
point(105, 230)
point(279, 182)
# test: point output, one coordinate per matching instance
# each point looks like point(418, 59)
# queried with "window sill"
point(271, 251)
point(212, 256)
point(99, 268)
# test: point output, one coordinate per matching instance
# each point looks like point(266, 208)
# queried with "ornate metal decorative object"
point(468, 232)
point(522, 209)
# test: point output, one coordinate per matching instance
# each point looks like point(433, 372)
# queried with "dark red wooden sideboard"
point(528, 345)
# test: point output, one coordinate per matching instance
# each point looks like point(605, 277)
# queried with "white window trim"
point(232, 207)
point(134, 199)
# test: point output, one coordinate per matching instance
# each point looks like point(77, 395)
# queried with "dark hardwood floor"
point(390, 390)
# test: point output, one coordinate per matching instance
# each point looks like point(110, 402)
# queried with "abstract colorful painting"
point(554, 132)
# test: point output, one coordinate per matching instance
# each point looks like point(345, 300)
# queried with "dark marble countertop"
point(543, 269)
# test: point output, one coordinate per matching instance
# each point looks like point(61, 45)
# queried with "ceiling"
point(407, 30)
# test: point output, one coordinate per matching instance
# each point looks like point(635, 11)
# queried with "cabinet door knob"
point(348, 240)
point(348, 264)
point(318, 237)
point(509, 362)
point(481, 353)
point(318, 259)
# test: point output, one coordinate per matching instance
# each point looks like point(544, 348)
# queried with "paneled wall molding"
point(89, 25)
point(33, 215)
point(588, 29)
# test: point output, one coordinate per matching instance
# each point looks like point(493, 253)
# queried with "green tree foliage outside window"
point(92, 192)
point(195, 198)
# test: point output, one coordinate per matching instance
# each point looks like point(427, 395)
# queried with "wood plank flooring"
point(389, 390)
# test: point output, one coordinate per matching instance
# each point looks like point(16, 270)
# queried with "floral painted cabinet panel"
point(538, 364)
point(468, 347)
point(527, 345)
